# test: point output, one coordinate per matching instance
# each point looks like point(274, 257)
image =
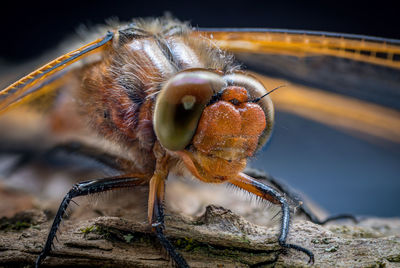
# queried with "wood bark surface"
point(216, 238)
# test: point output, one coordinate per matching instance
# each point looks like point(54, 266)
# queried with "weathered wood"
point(115, 233)
point(219, 238)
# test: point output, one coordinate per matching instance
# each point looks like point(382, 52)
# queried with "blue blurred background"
point(339, 171)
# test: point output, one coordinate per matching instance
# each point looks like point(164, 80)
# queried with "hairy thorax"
point(117, 93)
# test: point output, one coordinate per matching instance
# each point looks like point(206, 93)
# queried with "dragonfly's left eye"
point(180, 105)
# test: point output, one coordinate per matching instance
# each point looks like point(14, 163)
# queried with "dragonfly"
point(160, 97)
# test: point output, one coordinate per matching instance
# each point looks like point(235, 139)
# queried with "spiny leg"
point(264, 191)
point(86, 188)
point(156, 215)
point(303, 208)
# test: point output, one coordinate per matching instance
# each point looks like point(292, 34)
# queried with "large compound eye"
point(255, 89)
point(180, 104)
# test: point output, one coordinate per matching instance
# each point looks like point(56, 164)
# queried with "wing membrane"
point(34, 82)
point(347, 81)
point(336, 110)
point(368, 49)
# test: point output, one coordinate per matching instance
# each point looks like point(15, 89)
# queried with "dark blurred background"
point(340, 172)
point(30, 28)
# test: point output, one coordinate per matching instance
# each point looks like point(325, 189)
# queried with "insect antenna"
point(266, 94)
point(216, 97)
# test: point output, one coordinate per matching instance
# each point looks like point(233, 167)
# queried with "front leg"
point(156, 210)
point(264, 191)
point(86, 188)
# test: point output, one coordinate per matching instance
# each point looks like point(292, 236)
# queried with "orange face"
point(213, 121)
point(230, 128)
point(228, 132)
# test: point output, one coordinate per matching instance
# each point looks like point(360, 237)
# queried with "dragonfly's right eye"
point(180, 105)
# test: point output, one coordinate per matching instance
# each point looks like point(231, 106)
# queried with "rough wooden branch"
point(216, 238)
point(219, 238)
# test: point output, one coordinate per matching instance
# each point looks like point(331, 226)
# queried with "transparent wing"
point(47, 77)
point(376, 50)
point(350, 81)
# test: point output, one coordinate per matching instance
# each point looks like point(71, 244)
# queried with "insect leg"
point(303, 208)
point(264, 191)
point(86, 188)
point(156, 214)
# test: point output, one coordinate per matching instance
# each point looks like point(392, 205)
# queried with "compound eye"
point(180, 104)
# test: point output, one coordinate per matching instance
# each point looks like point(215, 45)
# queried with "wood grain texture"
point(218, 238)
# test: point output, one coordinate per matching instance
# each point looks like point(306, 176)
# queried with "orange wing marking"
point(373, 50)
